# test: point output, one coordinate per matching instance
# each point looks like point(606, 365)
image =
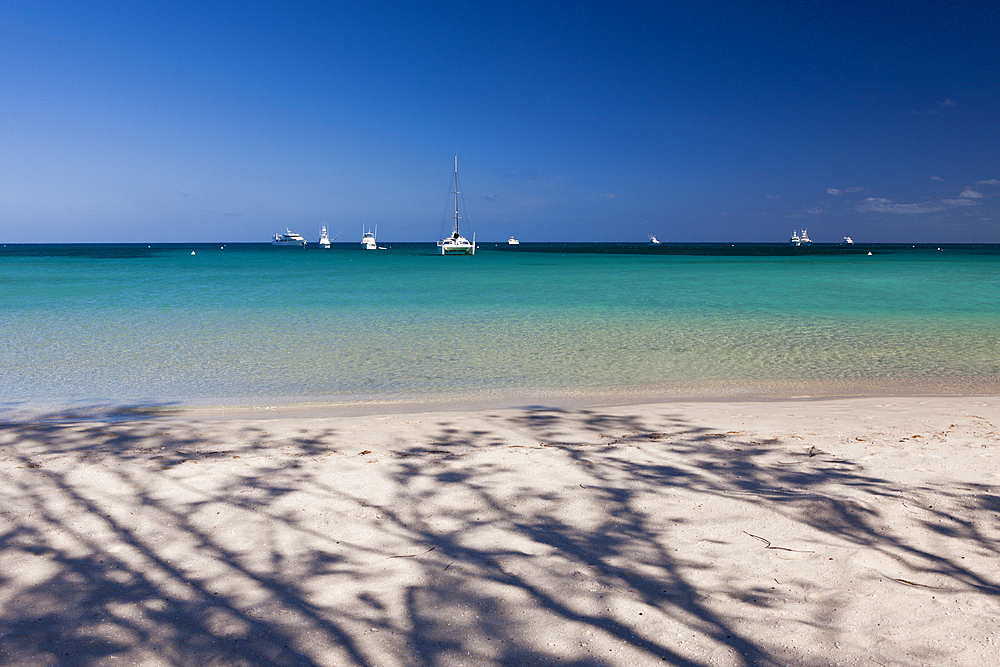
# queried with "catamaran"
point(456, 244)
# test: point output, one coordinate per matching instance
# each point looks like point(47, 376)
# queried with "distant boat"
point(368, 238)
point(324, 237)
point(653, 240)
point(456, 244)
point(848, 241)
point(800, 238)
point(288, 238)
point(513, 241)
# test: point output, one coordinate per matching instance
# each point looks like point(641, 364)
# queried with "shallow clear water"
point(257, 325)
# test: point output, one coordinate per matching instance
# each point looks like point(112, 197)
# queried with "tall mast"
point(456, 195)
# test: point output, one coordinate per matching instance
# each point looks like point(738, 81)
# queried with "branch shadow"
point(158, 543)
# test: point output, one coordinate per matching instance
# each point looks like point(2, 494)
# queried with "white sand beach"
point(860, 531)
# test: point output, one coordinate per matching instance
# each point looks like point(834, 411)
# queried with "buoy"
point(192, 252)
point(869, 253)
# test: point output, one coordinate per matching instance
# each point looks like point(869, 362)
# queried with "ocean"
point(257, 327)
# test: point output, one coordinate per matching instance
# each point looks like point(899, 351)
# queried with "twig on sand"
point(767, 544)
point(913, 583)
point(414, 555)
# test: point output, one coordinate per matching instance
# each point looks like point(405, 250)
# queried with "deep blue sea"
point(252, 325)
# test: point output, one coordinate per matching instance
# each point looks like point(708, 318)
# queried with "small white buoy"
point(869, 253)
point(192, 252)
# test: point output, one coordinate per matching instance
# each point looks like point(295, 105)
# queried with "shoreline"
point(570, 398)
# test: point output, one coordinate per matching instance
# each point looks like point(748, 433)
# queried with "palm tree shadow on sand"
point(545, 537)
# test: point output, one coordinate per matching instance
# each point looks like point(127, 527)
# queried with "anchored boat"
point(456, 244)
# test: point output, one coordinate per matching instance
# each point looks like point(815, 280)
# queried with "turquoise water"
point(256, 325)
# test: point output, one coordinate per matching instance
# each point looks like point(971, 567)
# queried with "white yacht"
point(800, 238)
point(288, 238)
point(324, 237)
point(848, 241)
point(456, 244)
point(653, 240)
point(368, 238)
point(513, 241)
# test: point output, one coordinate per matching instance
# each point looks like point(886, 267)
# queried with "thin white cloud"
point(834, 191)
point(883, 205)
point(936, 178)
point(989, 181)
point(968, 197)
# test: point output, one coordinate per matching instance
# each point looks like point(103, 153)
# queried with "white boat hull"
point(457, 247)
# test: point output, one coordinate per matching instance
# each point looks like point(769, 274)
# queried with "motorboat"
point(456, 244)
point(653, 240)
point(288, 238)
point(800, 238)
point(513, 241)
point(324, 237)
point(848, 241)
point(368, 238)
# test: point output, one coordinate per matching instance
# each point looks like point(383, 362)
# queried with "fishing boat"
point(288, 238)
point(800, 238)
point(456, 244)
point(513, 241)
point(848, 241)
point(324, 237)
point(653, 240)
point(368, 238)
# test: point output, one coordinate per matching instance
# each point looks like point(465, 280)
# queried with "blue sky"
point(587, 121)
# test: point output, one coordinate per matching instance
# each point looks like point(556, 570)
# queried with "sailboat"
point(456, 244)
